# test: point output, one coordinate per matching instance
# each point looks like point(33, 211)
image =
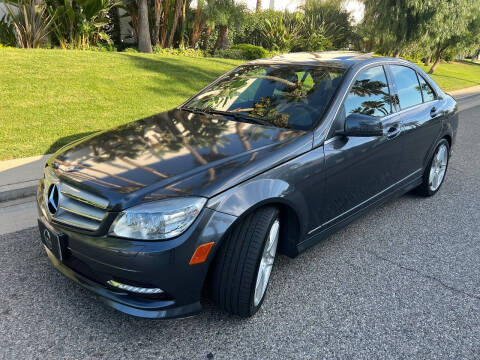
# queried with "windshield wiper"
point(239, 116)
point(195, 110)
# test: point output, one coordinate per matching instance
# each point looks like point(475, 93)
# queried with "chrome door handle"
point(393, 132)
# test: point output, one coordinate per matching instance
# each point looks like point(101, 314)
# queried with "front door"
point(359, 169)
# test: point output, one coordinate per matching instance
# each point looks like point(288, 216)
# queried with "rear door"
point(419, 113)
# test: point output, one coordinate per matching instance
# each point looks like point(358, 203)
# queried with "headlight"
point(158, 220)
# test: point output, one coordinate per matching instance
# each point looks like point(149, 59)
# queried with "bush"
point(316, 42)
point(185, 52)
point(104, 47)
point(229, 54)
point(7, 34)
point(31, 23)
point(250, 52)
point(275, 53)
point(253, 26)
point(450, 55)
point(130, 50)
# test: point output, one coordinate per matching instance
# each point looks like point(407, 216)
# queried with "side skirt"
point(315, 239)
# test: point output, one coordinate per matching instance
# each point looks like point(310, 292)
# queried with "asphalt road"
point(402, 282)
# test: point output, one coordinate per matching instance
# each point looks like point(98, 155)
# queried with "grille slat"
point(81, 209)
point(77, 221)
point(76, 207)
point(84, 197)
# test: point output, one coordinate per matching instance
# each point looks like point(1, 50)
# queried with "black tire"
point(236, 265)
point(424, 188)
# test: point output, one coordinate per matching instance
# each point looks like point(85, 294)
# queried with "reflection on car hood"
point(175, 153)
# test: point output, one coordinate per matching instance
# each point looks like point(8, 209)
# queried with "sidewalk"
point(19, 177)
point(463, 93)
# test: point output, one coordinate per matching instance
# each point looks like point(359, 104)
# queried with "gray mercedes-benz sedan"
point(271, 157)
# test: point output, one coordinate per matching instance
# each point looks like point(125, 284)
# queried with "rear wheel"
point(435, 173)
point(243, 265)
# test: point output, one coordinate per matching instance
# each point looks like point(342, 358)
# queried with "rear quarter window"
point(427, 91)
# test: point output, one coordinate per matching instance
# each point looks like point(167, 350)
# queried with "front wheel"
point(243, 265)
point(435, 172)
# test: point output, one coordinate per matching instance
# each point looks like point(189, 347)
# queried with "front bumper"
point(92, 260)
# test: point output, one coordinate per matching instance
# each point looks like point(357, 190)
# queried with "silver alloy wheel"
point(438, 168)
point(265, 267)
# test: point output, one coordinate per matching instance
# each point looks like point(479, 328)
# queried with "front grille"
point(75, 207)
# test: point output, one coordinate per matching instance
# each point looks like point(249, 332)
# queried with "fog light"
point(134, 289)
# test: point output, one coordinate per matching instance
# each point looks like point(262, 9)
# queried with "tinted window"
point(290, 96)
point(369, 94)
point(428, 94)
point(408, 88)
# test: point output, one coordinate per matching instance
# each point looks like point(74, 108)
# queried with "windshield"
point(288, 96)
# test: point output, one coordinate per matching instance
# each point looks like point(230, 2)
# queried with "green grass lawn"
point(455, 75)
point(52, 97)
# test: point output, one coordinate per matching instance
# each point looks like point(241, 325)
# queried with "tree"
point(476, 55)
point(157, 16)
point(176, 16)
point(394, 23)
point(227, 13)
point(258, 8)
point(164, 26)
point(197, 27)
point(144, 41)
point(186, 4)
point(449, 25)
point(327, 18)
point(429, 28)
point(209, 16)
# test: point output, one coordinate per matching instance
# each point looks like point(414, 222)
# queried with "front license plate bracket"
point(54, 241)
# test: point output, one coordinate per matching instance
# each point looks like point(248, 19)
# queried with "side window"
point(408, 88)
point(427, 91)
point(369, 94)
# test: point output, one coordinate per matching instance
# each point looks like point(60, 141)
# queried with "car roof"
point(341, 59)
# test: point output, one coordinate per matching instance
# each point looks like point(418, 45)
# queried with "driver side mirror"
point(362, 125)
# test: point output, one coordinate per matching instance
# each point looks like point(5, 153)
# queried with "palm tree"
point(227, 13)
point(144, 41)
point(157, 21)
point(176, 16)
point(186, 5)
point(259, 6)
point(197, 29)
point(164, 26)
point(209, 14)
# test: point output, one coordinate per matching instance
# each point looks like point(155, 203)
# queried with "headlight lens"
point(158, 220)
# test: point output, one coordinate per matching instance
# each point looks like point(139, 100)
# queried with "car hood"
point(176, 153)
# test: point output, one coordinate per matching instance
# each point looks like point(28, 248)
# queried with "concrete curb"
point(18, 191)
point(466, 92)
point(19, 177)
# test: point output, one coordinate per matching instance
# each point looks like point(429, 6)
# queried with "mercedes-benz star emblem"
point(52, 199)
